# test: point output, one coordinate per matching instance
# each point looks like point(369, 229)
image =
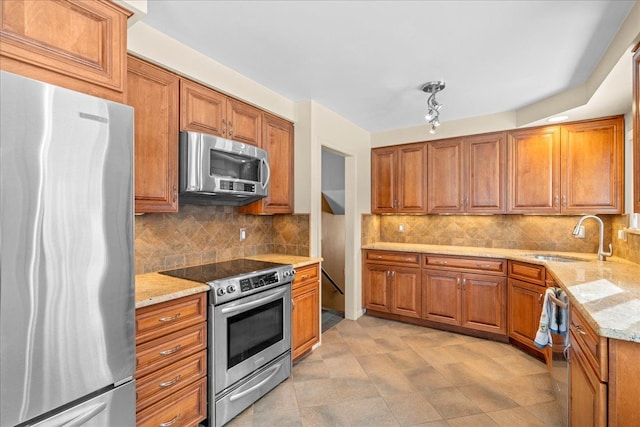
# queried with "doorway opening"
point(333, 238)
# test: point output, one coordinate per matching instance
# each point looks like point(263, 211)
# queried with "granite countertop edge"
point(155, 288)
point(613, 314)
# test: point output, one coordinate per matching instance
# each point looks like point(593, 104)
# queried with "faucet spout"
point(602, 255)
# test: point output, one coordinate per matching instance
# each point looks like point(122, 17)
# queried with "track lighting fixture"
point(433, 114)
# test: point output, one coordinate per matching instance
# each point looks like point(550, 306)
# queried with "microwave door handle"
point(248, 305)
point(264, 162)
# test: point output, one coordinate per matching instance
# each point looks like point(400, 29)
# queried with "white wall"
point(317, 127)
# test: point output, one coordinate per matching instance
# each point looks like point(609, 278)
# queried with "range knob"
point(220, 292)
point(289, 273)
point(231, 289)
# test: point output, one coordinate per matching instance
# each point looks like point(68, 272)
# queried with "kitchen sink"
point(556, 258)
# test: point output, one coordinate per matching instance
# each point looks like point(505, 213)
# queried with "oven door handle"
point(248, 305)
point(250, 390)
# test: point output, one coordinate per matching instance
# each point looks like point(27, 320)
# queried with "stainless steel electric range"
point(249, 331)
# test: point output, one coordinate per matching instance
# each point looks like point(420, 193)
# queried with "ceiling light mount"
point(433, 115)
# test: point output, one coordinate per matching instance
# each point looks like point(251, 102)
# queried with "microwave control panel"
point(237, 186)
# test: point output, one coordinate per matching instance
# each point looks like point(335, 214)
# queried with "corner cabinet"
point(171, 362)
point(526, 289)
point(305, 319)
point(153, 92)
point(80, 45)
point(569, 169)
point(277, 140)
point(399, 179)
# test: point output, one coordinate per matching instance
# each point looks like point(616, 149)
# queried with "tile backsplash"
point(202, 234)
point(534, 232)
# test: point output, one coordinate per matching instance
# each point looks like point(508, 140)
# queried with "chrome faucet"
point(602, 255)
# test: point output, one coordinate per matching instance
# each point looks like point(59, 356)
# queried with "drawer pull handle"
point(441, 262)
point(580, 330)
point(170, 351)
point(484, 265)
point(304, 276)
point(170, 422)
point(378, 257)
point(170, 383)
point(169, 319)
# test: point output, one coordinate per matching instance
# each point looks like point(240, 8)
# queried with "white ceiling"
point(366, 60)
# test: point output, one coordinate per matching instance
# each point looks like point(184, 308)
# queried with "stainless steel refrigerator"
point(67, 346)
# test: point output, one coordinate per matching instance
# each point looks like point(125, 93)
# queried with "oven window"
point(252, 331)
point(234, 166)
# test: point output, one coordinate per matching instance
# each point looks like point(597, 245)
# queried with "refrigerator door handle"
point(91, 412)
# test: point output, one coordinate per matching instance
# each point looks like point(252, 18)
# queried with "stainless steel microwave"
point(220, 171)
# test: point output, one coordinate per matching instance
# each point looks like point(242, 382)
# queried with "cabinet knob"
point(555, 200)
point(224, 126)
point(230, 128)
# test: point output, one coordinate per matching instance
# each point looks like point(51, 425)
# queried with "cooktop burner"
point(221, 270)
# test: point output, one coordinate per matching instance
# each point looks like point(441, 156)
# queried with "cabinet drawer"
point(531, 273)
point(308, 273)
point(184, 408)
point(163, 351)
point(592, 345)
point(393, 257)
point(484, 265)
point(161, 383)
point(161, 319)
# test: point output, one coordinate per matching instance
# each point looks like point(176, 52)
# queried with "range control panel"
point(232, 288)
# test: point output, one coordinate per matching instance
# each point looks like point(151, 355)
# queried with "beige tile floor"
point(375, 372)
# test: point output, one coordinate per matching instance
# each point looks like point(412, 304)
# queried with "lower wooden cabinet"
point(588, 398)
point(525, 306)
point(305, 319)
point(171, 362)
point(472, 301)
point(393, 288)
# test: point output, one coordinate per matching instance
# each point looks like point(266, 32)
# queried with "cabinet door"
point(588, 396)
point(202, 109)
point(636, 130)
point(277, 140)
point(592, 167)
point(484, 303)
point(153, 92)
point(445, 176)
point(244, 122)
point(412, 181)
point(80, 45)
point(525, 306)
point(406, 290)
point(440, 296)
point(377, 280)
point(383, 180)
point(486, 176)
point(534, 170)
point(305, 318)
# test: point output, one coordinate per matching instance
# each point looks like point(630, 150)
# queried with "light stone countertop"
point(606, 293)
point(154, 288)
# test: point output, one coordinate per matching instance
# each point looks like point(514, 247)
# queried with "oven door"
point(250, 332)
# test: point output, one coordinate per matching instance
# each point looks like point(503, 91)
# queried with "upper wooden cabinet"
point(571, 169)
point(80, 45)
point(277, 140)
point(205, 110)
point(467, 174)
point(398, 179)
point(534, 170)
point(592, 171)
point(636, 130)
point(153, 92)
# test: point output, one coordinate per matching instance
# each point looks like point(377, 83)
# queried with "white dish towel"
point(553, 319)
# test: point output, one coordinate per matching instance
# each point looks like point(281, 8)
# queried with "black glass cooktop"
point(220, 270)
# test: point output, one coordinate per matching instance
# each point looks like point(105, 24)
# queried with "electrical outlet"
point(622, 235)
point(580, 234)
point(401, 228)
point(243, 234)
